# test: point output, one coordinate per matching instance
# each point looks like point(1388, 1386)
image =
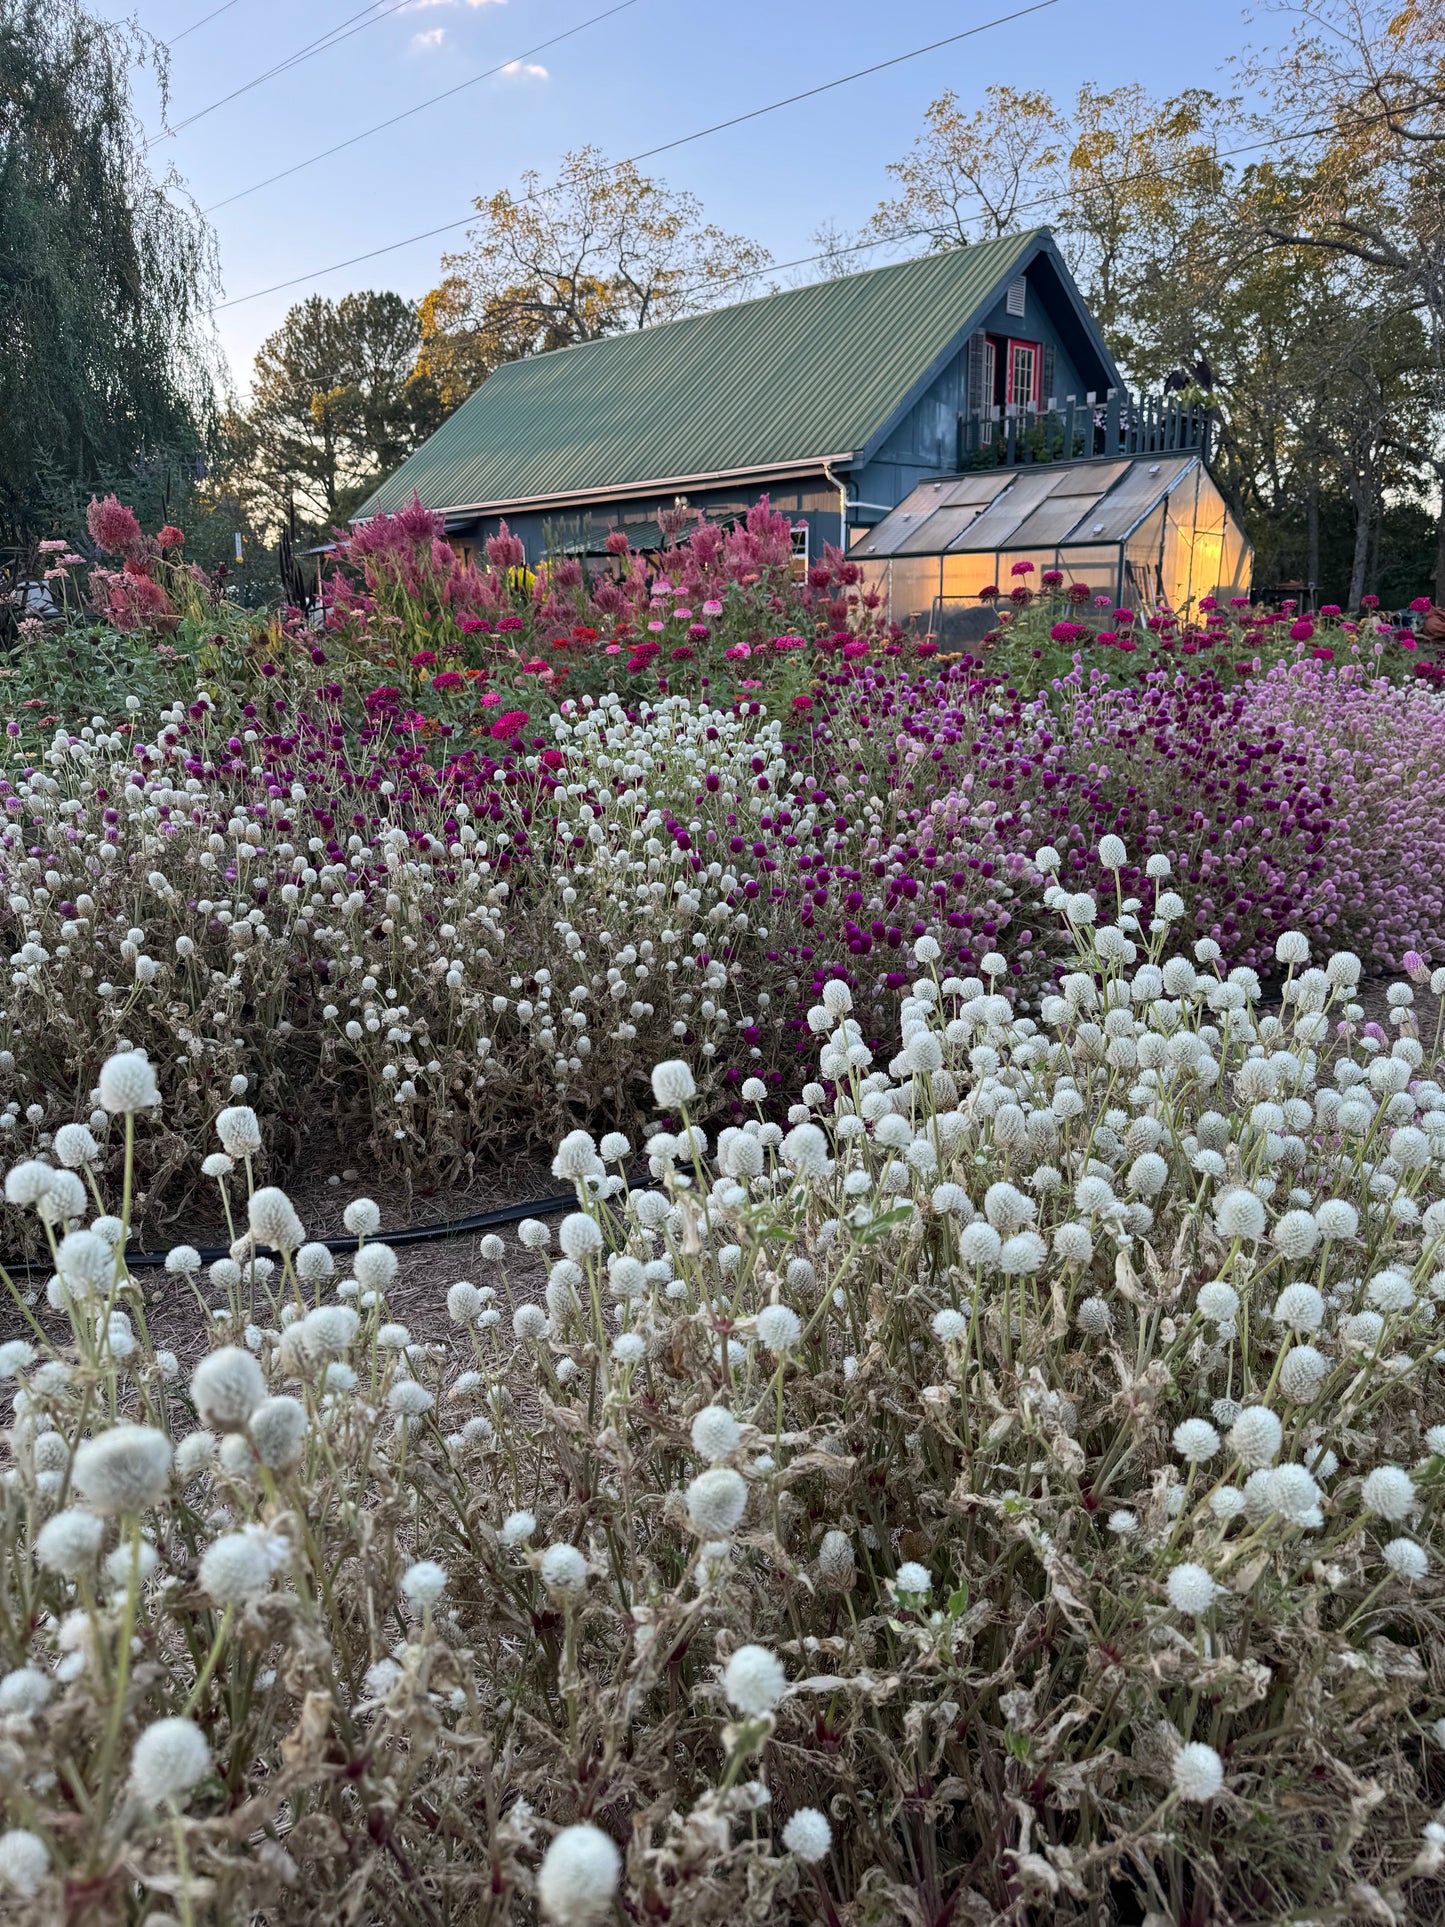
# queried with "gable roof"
point(806, 375)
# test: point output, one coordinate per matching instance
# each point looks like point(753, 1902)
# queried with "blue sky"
point(657, 70)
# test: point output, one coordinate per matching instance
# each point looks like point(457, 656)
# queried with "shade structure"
point(1146, 531)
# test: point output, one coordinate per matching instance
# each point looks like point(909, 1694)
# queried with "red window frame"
point(1037, 350)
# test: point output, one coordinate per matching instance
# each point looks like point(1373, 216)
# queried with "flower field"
point(976, 1454)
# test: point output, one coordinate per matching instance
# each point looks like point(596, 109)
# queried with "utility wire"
point(322, 44)
point(204, 21)
point(421, 107)
point(773, 107)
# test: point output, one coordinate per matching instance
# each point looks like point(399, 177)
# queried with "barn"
point(838, 401)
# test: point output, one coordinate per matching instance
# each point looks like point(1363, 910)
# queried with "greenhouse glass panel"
point(1144, 552)
point(969, 575)
point(944, 527)
point(1133, 496)
point(912, 586)
point(998, 522)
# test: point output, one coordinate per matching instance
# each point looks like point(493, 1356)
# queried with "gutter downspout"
point(844, 505)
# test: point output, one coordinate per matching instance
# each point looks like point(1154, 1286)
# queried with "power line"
point(323, 44)
point(406, 114)
point(773, 107)
point(204, 21)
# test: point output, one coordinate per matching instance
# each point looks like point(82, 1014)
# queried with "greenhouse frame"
point(1148, 531)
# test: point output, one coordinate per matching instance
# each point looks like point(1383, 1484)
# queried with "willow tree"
point(105, 271)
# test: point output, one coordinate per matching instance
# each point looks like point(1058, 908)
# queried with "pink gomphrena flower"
point(1022, 568)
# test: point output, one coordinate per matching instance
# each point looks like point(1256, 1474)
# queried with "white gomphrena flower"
point(949, 1325)
point(923, 1054)
point(330, 1330)
point(1297, 1234)
point(517, 1528)
point(424, 1582)
point(979, 1245)
point(533, 1234)
point(715, 1432)
point(564, 1570)
point(1405, 1559)
point(1239, 1214)
point(1294, 1493)
point(1219, 1301)
point(236, 1567)
point(673, 1084)
point(578, 1877)
point(579, 1236)
point(491, 1249)
point(806, 1150)
point(27, 1182)
point(124, 1470)
point(1198, 1772)
point(1301, 1373)
point(808, 1835)
point(217, 1165)
point(754, 1681)
point(778, 1327)
point(62, 1199)
point(1094, 1316)
point(626, 1276)
point(183, 1261)
point(278, 1431)
point(227, 1387)
point(1191, 1589)
point(273, 1219)
point(314, 1264)
point(1337, 1218)
point(409, 1400)
point(25, 1691)
point(1112, 853)
point(16, 1355)
point(716, 1502)
point(1022, 1254)
point(128, 1083)
point(362, 1218)
point(529, 1322)
point(239, 1131)
point(913, 1581)
point(838, 998)
point(1390, 1290)
point(1255, 1436)
point(374, 1267)
point(1300, 1307)
point(576, 1158)
point(1148, 1174)
point(196, 1451)
point(1196, 1441)
point(614, 1147)
point(1389, 1491)
point(1292, 947)
point(69, 1542)
point(24, 1861)
point(464, 1301)
point(75, 1146)
point(85, 1261)
point(168, 1760)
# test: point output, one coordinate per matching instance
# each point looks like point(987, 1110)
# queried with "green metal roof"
point(794, 377)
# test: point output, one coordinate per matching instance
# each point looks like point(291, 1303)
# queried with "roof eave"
point(623, 491)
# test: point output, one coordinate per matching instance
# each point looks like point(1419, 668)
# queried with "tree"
point(967, 177)
point(600, 250)
point(105, 274)
point(1371, 167)
point(337, 403)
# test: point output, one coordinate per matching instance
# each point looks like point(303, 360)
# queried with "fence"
point(1122, 424)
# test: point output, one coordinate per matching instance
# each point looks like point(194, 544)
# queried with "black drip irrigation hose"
point(416, 1234)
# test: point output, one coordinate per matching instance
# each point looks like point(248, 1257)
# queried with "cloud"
point(426, 41)
point(525, 70)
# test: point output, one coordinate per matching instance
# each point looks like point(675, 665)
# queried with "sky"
point(653, 71)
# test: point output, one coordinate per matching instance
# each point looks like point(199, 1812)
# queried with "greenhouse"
point(1147, 530)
